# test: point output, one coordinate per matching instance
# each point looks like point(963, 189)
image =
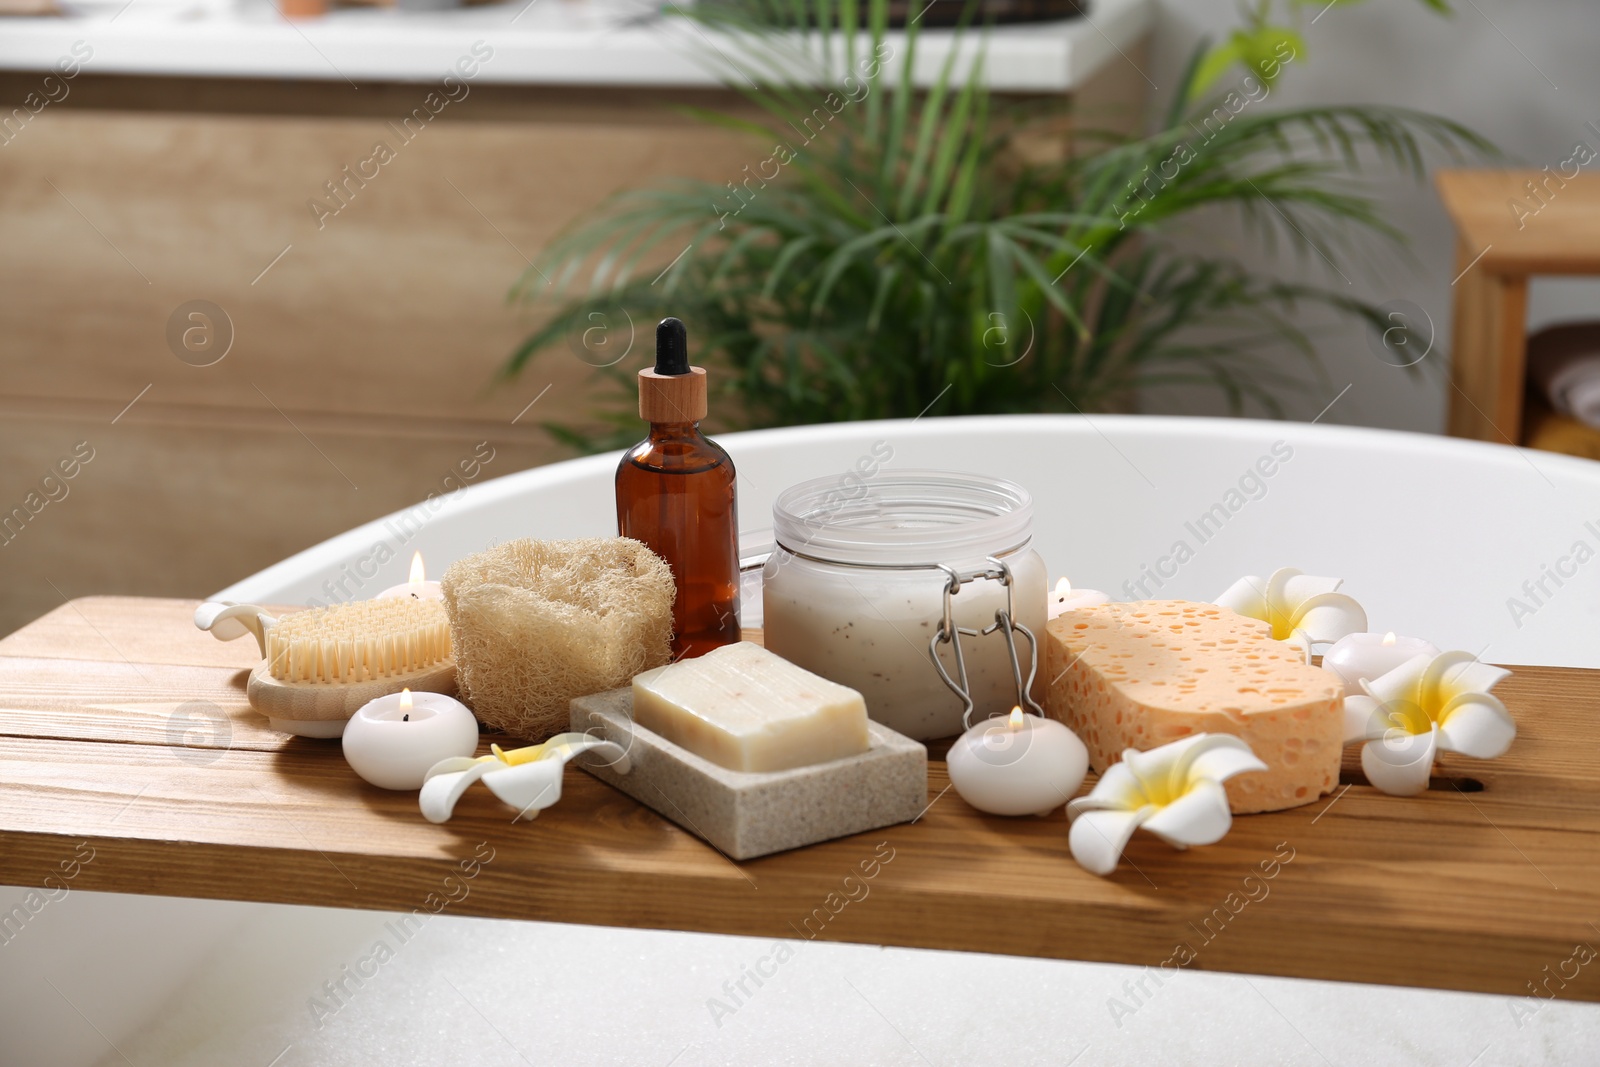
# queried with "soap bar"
point(1142, 674)
point(747, 709)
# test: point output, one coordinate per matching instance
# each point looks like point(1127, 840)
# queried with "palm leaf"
point(871, 274)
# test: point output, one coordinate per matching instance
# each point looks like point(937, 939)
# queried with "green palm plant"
point(904, 257)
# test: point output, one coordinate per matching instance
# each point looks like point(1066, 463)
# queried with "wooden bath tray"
point(126, 728)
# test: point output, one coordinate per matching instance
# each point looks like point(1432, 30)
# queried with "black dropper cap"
point(672, 347)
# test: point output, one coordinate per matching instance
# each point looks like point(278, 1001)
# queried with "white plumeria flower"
point(528, 779)
point(1427, 705)
point(1301, 608)
point(1174, 791)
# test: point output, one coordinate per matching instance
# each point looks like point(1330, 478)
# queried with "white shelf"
point(545, 42)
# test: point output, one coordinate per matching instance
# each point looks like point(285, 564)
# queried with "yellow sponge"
point(1142, 674)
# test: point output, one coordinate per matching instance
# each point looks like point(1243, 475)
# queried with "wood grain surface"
point(127, 729)
point(1554, 228)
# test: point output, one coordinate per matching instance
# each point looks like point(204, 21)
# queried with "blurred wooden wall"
point(360, 371)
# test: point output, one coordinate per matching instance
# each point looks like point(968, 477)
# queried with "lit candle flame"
point(1016, 713)
point(405, 700)
point(418, 575)
point(1388, 639)
point(1063, 588)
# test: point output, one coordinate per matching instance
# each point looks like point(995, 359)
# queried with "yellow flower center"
point(513, 758)
point(1160, 792)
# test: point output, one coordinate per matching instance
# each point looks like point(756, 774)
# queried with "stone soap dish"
point(748, 814)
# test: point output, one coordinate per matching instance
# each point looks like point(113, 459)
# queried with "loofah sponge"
point(536, 623)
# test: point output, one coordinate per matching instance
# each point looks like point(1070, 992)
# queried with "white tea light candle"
point(1019, 765)
point(393, 741)
point(1064, 598)
point(1358, 657)
point(417, 586)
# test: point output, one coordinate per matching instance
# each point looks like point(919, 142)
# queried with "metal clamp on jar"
point(1005, 623)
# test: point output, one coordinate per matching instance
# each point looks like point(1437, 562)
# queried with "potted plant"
point(892, 253)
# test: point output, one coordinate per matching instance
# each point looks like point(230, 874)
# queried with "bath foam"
point(1142, 674)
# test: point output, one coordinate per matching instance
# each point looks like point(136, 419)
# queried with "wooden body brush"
point(321, 665)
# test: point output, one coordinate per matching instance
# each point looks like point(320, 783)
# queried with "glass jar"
point(854, 591)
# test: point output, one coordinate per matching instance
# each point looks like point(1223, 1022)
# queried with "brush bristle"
point(359, 642)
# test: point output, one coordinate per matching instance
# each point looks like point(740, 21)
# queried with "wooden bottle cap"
point(672, 397)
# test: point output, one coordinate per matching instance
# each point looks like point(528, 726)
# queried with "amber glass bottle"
point(675, 492)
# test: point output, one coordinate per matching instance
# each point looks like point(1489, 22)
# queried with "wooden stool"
point(1510, 225)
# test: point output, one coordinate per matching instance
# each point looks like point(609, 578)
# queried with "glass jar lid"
point(903, 518)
